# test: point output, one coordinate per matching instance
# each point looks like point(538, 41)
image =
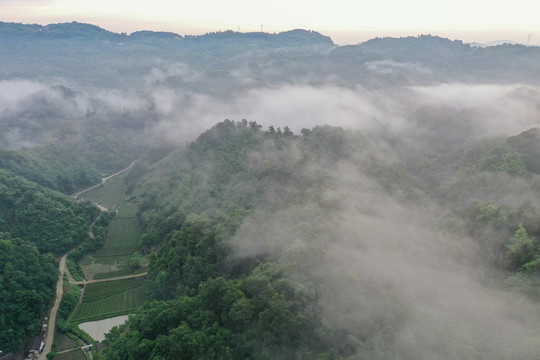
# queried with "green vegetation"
point(74, 269)
point(414, 236)
point(109, 299)
point(118, 256)
point(52, 166)
point(127, 211)
point(247, 222)
point(71, 355)
point(65, 342)
point(68, 331)
point(70, 299)
point(53, 222)
point(124, 236)
point(110, 194)
point(27, 280)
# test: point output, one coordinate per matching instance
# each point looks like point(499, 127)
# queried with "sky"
point(346, 21)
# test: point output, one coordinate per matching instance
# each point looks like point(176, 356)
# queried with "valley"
point(117, 294)
point(267, 196)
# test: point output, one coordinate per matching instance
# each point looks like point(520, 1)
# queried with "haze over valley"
point(254, 195)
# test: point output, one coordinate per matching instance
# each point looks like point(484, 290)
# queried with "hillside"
point(35, 224)
point(374, 201)
point(75, 50)
point(275, 245)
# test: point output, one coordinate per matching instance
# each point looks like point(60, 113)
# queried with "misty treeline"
point(334, 244)
point(87, 55)
point(408, 229)
point(35, 224)
point(27, 281)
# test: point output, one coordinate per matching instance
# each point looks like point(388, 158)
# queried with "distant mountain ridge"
point(89, 54)
point(75, 29)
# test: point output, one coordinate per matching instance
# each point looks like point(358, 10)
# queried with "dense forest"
point(35, 223)
point(51, 166)
point(27, 280)
point(264, 238)
point(380, 201)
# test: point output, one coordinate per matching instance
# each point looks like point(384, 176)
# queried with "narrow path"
point(71, 280)
point(51, 326)
point(77, 348)
point(103, 181)
point(88, 282)
point(62, 269)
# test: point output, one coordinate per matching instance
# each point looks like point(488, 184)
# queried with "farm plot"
point(115, 257)
point(127, 211)
point(71, 355)
point(109, 194)
point(63, 342)
point(124, 235)
point(109, 299)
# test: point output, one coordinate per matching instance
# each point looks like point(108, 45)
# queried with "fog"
point(373, 252)
point(178, 115)
point(385, 270)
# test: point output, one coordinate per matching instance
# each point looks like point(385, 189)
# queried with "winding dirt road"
point(54, 310)
point(88, 282)
point(103, 181)
point(62, 268)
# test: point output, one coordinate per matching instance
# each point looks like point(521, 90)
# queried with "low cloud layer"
point(382, 265)
point(175, 114)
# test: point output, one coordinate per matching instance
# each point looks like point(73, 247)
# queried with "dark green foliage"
point(52, 166)
point(261, 317)
point(255, 312)
point(268, 303)
point(48, 222)
point(27, 281)
point(109, 299)
point(53, 222)
point(522, 250)
point(527, 145)
point(70, 299)
point(74, 268)
point(191, 255)
point(99, 230)
point(518, 155)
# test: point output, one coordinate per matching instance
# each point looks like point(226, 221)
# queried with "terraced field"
point(71, 355)
point(108, 299)
point(63, 342)
point(109, 194)
point(127, 211)
point(124, 235)
point(114, 258)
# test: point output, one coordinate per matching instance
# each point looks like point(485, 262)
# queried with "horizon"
point(346, 38)
point(345, 21)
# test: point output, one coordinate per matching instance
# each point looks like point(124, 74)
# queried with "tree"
point(522, 250)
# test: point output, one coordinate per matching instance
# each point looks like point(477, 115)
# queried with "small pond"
point(98, 329)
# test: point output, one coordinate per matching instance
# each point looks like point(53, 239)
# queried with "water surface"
point(98, 329)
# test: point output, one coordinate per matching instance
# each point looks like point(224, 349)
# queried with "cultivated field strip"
point(96, 292)
point(127, 211)
point(124, 235)
point(109, 299)
point(110, 194)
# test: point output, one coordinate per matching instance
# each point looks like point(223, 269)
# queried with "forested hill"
point(52, 166)
point(36, 224)
point(52, 221)
point(27, 281)
point(81, 31)
point(93, 56)
point(336, 245)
